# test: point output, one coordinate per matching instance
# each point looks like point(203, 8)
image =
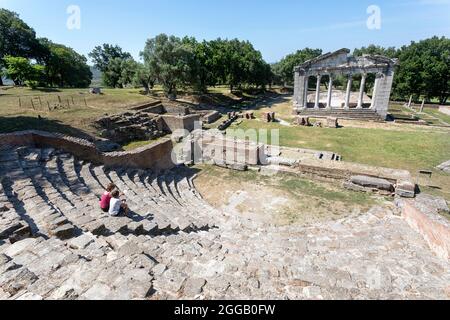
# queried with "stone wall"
point(158, 109)
point(219, 149)
point(176, 109)
point(434, 228)
point(156, 157)
point(145, 105)
point(209, 116)
point(171, 123)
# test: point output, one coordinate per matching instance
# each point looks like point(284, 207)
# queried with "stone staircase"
point(55, 243)
point(59, 196)
point(352, 114)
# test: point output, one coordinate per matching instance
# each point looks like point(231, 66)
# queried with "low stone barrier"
point(156, 157)
point(434, 228)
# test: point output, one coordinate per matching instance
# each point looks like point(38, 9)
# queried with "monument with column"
point(341, 63)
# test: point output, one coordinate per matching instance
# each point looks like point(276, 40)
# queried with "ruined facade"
point(340, 63)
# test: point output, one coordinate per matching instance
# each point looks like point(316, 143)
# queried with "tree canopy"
point(186, 62)
point(424, 70)
point(64, 67)
point(56, 64)
point(284, 70)
point(20, 70)
point(116, 65)
point(17, 39)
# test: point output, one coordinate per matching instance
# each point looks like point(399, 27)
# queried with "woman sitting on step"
point(106, 197)
point(116, 205)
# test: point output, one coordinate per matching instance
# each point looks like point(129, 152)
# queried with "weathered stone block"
point(371, 182)
point(81, 242)
point(64, 232)
point(405, 189)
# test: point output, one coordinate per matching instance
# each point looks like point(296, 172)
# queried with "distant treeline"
point(172, 62)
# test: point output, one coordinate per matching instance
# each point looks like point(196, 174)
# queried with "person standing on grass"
point(106, 197)
point(116, 205)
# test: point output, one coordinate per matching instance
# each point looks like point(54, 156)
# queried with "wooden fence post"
point(20, 103)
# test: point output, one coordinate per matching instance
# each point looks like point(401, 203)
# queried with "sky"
point(276, 27)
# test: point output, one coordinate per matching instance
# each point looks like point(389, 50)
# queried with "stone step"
point(343, 114)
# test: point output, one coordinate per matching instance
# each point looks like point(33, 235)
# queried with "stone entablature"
point(342, 63)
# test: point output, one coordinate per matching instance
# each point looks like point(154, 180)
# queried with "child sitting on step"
point(116, 205)
point(106, 198)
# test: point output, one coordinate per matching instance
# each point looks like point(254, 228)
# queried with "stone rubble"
point(175, 245)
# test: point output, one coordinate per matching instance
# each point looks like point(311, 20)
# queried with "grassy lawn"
point(431, 115)
point(412, 150)
point(74, 114)
point(139, 144)
point(73, 111)
point(436, 113)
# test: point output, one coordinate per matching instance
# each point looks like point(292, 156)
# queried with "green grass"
point(410, 149)
point(298, 186)
point(138, 144)
point(436, 113)
point(78, 108)
point(431, 115)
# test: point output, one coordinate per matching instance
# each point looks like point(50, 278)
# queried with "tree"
point(236, 63)
point(110, 59)
point(17, 39)
point(168, 59)
point(20, 70)
point(390, 52)
point(64, 67)
point(128, 69)
point(143, 77)
point(102, 55)
point(284, 69)
point(424, 70)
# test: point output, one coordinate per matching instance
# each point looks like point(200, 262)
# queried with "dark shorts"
point(121, 212)
point(106, 210)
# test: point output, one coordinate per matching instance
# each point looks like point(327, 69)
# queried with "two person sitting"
point(111, 203)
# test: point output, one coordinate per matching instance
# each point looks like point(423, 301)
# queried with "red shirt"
point(104, 202)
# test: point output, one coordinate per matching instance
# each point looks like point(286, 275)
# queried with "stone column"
point(300, 90)
point(349, 92)
point(306, 92)
point(375, 91)
point(330, 92)
point(361, 91)
point(316, 103)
